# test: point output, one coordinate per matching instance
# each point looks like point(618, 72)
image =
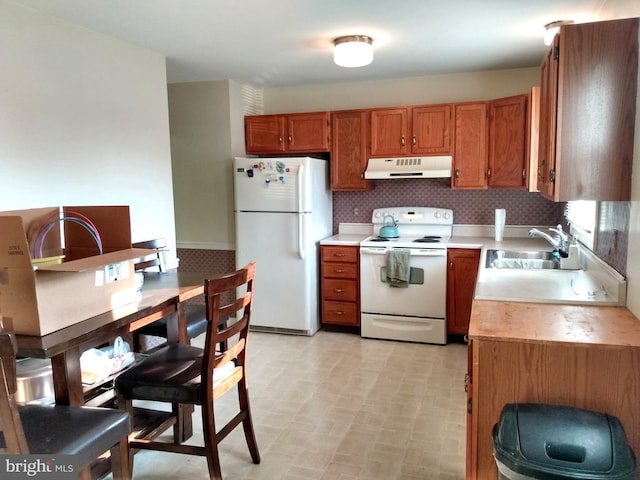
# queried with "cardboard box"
point(49, 298)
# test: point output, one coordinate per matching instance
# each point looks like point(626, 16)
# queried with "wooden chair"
point(196, 315)
point(189, 375)
point(84, 432)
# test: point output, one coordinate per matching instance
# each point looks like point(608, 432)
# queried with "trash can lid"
point(558, 442)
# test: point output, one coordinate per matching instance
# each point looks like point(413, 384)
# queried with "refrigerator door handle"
point(301, 236)
point(300, 186)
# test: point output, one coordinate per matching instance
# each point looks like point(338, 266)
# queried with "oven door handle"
point(415, 252)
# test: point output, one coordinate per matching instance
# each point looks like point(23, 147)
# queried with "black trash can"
point(545, 442)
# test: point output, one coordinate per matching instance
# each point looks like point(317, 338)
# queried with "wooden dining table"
point(161, 295)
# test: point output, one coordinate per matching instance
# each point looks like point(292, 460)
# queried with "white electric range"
point(416, 313)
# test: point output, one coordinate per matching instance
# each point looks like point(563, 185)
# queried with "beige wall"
point(403, 91)
point(201, 154)
point(83, 120)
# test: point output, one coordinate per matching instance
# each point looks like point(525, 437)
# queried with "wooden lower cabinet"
point(580, 356)
point(462, 271)
point(340, 285)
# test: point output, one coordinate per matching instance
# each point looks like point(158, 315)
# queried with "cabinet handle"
point(524, 174)
point(414, 141)
point(467, 377)
point(290, 139)
point(402, 142)
point(339, 290)
point(469, 406)
point(339, 270)
point(489, 173)
point(457, 174)
point(339, 312)
point(339, 254)
point(280, 139)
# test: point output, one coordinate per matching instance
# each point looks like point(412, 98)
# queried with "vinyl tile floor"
point(336, 406)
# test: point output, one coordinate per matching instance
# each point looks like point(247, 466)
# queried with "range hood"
point(409, 167)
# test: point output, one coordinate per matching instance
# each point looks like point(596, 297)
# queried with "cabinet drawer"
point(342, 313)
point(344, 290)
point(339, 270)
point(339, 254)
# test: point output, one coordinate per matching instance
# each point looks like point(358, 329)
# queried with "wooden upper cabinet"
point(308, 132)
point(264, 133)
point(389, 129)
point(470, 146)
point(420, 130)
point(349, 150)
point(589, 86)
point(508, 143)
point(431, 130)
point(296, 132)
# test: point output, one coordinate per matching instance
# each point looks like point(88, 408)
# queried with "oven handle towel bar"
point(417, 252)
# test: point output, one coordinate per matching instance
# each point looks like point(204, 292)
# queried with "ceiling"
point(289, 42)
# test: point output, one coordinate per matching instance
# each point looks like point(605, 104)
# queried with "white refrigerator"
point(283, 208)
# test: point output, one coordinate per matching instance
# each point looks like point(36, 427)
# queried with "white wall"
point(83, 121)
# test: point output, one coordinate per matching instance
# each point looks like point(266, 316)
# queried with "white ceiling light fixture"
point(353, 51)
point(551, 30)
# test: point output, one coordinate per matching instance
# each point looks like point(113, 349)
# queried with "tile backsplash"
point(470, 207)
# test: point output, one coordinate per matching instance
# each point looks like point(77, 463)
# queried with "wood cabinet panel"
point(308, 132)
point(340, 284)
point(389, 127)
point(461, 281)
point(295, 132)
point(589, 88)
point(431, 129)
point(470, 151)
point(264, 134)
point(342, 290)
point(349, 150)
point(340, 313)
point(339, 270)
point(525, 353)
point(508, 143)
point(331, 253)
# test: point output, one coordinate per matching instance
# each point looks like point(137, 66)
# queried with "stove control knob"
point(447, 215)
point(437, 214)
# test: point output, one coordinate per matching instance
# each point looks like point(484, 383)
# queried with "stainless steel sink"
point(522, 260)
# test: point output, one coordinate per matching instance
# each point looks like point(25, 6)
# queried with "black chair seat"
point(196, 323)
point(172, 374)
point(84, 432)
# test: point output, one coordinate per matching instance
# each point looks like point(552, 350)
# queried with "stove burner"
point(429, 239)
point(382, 239)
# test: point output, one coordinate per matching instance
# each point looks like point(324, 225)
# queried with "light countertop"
point(346, 239)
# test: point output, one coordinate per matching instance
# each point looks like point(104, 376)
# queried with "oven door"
point(424, 297)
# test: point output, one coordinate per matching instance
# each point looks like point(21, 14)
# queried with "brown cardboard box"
point(50, 298)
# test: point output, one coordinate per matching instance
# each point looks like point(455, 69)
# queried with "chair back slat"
point(160, 261)
point(233, 335)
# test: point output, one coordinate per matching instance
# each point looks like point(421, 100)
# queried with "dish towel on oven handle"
point(398, 268)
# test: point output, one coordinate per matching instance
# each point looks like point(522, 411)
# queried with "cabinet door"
point(470, 151)
point(389, 132)
point(264, 134)
point(508, 146)
point(461, 281)
point(547, 130)
point(349, 150)
point(431, 127)
point(308, 132)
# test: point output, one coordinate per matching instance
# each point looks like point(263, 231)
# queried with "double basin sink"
point(522, 260)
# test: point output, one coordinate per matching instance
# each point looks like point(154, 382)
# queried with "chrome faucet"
point(560, 241)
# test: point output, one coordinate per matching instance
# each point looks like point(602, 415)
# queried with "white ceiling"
point(289, 42)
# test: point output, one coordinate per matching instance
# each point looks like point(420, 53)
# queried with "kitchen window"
point(582, 216)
